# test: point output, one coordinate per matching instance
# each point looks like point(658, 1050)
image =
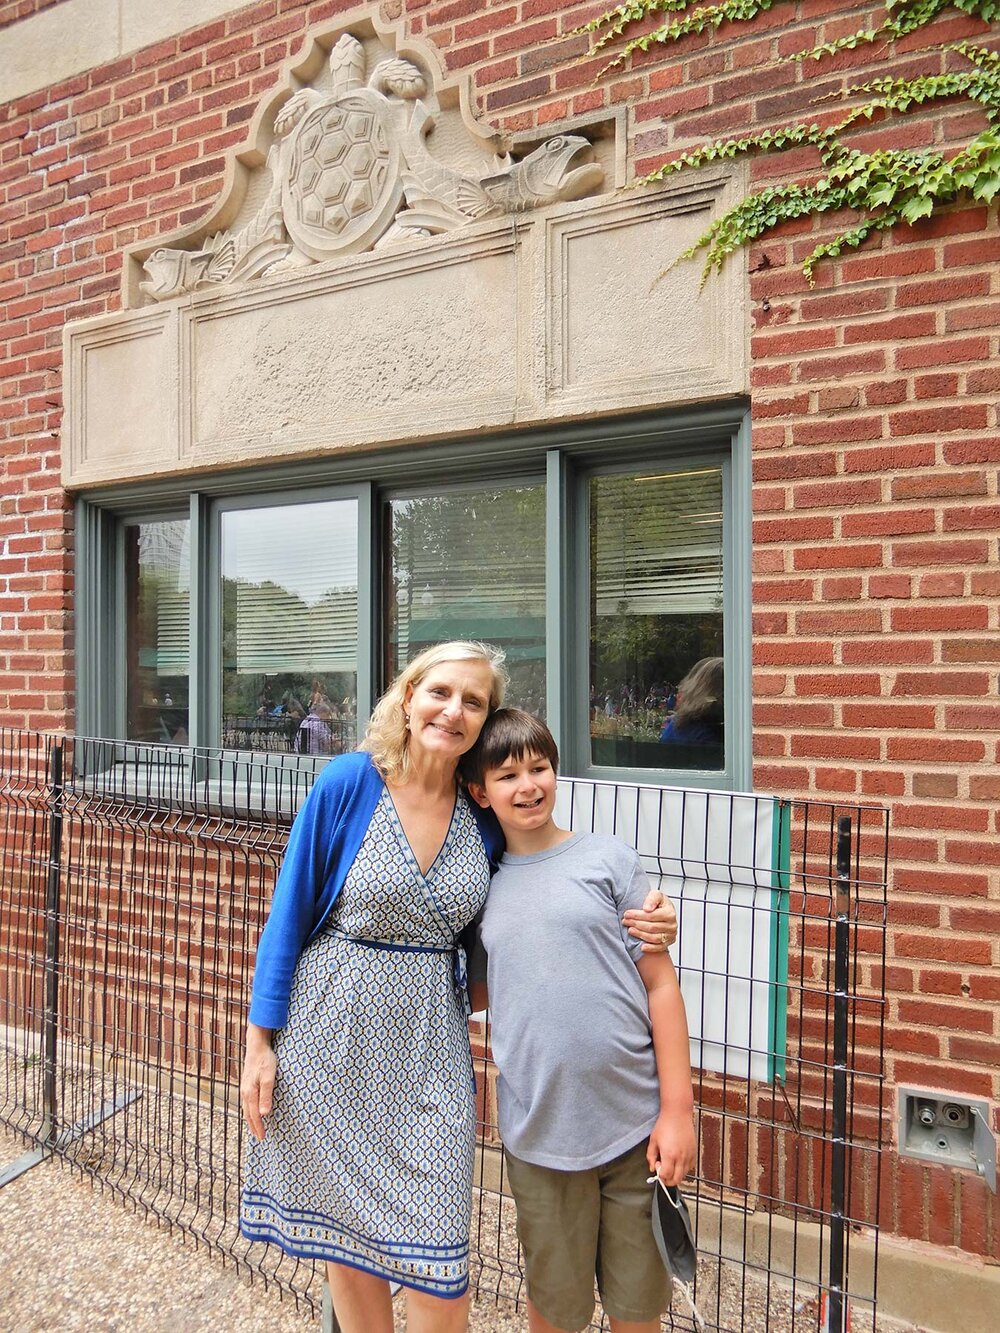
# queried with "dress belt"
point(458, 953)
point(393, 946)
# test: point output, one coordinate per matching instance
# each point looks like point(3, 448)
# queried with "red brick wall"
point(876, 443)
point(12, 10)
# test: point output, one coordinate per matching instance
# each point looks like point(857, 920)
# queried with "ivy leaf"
point(920, 207)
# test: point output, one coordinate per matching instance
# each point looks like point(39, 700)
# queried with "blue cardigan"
point(322, 845)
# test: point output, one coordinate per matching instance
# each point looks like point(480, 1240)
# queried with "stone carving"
point(350, 169)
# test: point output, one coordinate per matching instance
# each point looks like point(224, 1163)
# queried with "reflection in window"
point(157, 577)
point(471, 565)
point(290, 627)
point(656, 593)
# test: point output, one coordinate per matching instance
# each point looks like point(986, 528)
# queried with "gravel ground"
point(74, 1258)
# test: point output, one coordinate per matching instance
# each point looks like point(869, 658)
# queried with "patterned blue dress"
point(368, 1154)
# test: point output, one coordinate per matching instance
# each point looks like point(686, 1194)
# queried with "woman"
point(368, 1152)
point(700, 712)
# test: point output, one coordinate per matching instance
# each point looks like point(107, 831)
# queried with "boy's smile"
point(522, 795)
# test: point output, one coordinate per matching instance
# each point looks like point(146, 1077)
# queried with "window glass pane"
point(290, 627)
point(157, 582)
point(656, 697)
point(471, 565)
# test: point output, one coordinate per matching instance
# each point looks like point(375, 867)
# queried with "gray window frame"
point(564, 457)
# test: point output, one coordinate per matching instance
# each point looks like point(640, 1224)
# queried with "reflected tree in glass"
point(290, 627)
point(656, 610)
point(157, 630)
point(470, 565)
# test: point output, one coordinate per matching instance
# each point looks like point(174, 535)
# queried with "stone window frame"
point(564, 458)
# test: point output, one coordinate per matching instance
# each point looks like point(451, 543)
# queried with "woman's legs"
point(361, 1302)
point(434, 1314)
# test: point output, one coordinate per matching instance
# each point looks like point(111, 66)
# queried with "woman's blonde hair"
point(386, 736)
point(701, 694)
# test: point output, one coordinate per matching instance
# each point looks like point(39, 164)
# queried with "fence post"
point(50, 1015)
point(837, 1306)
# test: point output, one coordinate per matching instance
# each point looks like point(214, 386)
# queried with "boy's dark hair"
point(509, 733)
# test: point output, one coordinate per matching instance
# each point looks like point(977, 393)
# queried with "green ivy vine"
point(885, 187)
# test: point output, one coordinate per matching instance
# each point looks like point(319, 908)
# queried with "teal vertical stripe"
point(781, 842)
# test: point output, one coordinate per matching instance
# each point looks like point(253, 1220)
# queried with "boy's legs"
point(635, 1288)
point(558, 1219)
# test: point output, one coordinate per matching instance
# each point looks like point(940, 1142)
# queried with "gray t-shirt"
point(571, 1033)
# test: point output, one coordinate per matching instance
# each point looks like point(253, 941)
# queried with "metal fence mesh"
point(135, 882)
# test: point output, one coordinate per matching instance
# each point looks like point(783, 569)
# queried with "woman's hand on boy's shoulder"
point(655, 923)
point(672, 1149)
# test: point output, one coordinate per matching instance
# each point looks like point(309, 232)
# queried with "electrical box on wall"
point(952, 1130)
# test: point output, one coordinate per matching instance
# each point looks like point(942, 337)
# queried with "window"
point(657, 644)
point(289, 627)
point(157, 580)
point(611, 562)
point(470, 564)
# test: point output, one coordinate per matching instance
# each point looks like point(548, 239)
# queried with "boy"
point(590, 1040)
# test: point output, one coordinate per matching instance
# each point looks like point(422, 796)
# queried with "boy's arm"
point(672, 1150)
point(479, 997)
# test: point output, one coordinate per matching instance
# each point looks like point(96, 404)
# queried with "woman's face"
point(448, 707)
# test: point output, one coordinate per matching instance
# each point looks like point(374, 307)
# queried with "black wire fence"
point(134, 882)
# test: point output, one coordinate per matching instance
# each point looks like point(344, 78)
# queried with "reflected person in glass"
point(357, 1083)
point(699, 717)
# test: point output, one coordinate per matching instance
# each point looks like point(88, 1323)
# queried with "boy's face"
point(521, 792)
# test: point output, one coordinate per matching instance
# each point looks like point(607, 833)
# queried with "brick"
point(934, 749)
point(890, 716)
point(971, 650)
point(950, 949)
point(929, 879)
point(865, 621)
point(961, 818)
point(973, 854)
point(940, 552)
point(945, 618)
point(792, 652)
point(938, 420)
point(892, 521)
point(896, 586)
point(971, 517)
point(890, 458)
point(914, 325)
point(839, 493)
point(942, 585)
point(841, 556)
point(883, 782)
point(978, 449)
point(887, 651)
point(942, 351)
point(846, 589)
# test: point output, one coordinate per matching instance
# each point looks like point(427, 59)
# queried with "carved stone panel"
point(625, 325)
point(563, 314)
point(385, 353)
point(121, 415)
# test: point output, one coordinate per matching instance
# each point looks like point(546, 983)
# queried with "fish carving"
point(174, 271)
point(545, 176)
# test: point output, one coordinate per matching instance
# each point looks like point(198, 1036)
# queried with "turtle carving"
point(340, 162)
point(351, 169)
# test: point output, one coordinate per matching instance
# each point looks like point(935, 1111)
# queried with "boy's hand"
point(672, 1150)
point(655, 925)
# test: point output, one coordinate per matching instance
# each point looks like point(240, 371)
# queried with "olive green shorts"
point(577, 1225)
